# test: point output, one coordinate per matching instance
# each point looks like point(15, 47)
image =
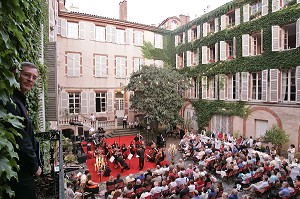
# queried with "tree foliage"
point(157, 93)
point(277, 136)
point(19, 41)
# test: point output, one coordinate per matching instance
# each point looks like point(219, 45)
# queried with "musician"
point(152, 153)
point(137, 140)
point(115, 145)
point(160, 157)
point(140, 153)
point(132, 148)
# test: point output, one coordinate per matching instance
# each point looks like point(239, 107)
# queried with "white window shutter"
point(275, 38)
point(237, 16)
point(198, 32)
point(205, 29)
point(93, 31)
point(265, 5)
point(216, 52)
point(275, 5)
point(298, 84)
point(222, 87)
point(197, 88)
point(245, 44)
point(176, 40)
point(298, 1)
point(204, 54)
point(189, 35)
point(77, 65)
point(108, 34)
point(177, 57)
point(64, 103)
point(129, 33)
point(223, 22)
point(59, 26)
point(113, 34)
point(204, 87)
point(110, 102)
point(222, 50)
point(238, 83)
point(84, 103)
point(234, 47)
point(188, 58)
point(63, 28)
point(212, 87)
point(264, 92)
point(246, 14)
point(196, 57)
point(183, 36)
point(216, 25)
point(123, 67)
point(229, 88)
point(298, 33)
point(81, 30)
point(244, 86)
point(274, 85)
point(92, 99)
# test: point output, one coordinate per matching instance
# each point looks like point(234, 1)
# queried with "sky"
point(149, 12)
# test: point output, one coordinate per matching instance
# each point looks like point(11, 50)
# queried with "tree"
point(157, 94)
point(277, 137)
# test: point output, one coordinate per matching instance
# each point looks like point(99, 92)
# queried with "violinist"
point(152, 153)
point(115, 145)
point(124, 151)
point(132, 148)
point(160, 157)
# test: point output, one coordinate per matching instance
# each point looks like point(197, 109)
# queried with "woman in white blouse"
point(291, 153)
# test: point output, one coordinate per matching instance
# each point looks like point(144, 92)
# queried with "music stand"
point(129, 158)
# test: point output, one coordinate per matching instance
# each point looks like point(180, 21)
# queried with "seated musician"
point(138, 139)
point(119, 161)
point(152, 153)
point(91, 186)
point(124, 151)
point(160, 157)
point(132, 148)
point(115, 145)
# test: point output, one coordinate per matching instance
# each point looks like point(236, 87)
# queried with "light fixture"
point(122, 91)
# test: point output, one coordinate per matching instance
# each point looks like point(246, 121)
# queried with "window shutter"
point(298, 84)
point(188, 58)
point(265, 5)
point(222, 50)
point(204, 87)
point(238, 83)
point(264, 89)
point(216, 25)
point(84, 104)
point(63, 28)
point(81, 30)
point(244, 87)
point(237, 16)
point(245, 44)
point(216, 52)
point(176, 40)
point(77, 66)
point(275, 38)
point(212, 87)
point(246, 13)
point(204, 54)
point(298, 33)
point(234, 47)
point(110, 102)
point(197, 88)
point(198, 32)
point(196, 57)
point(274, 85)
point(229, 89)
point(129, 33)
point(123, 67)
point(93, 27)
point(223, 22)
point(189, 35)
point(205, 29)
point(59, 26)
point(183, 36)
point(222, 87)
point(92, 99)
point(298, 1)
point(275, 5)
point(177, 57)
point(64, 103)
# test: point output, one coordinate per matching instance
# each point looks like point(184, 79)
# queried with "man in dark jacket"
point(141, 155)
point(24, 188)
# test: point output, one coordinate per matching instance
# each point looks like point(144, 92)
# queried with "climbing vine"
point(19, 41)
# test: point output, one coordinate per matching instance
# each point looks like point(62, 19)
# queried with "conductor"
point(141, 153)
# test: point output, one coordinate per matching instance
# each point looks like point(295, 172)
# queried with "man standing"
point(125, 121)
point(141, 153)
point(24, 188)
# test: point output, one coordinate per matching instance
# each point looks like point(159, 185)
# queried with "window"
point(233, 86)
point(100, 102)
point(73, 30)
point(193, 33)
point(285, 37)
point(138, 38)
point(137, 64)
point(231, 20)
point(173, 25)
point(158, 41)
point(279, 4)
point(252, 44)
point(179, 60)
point(100, 33)
point(256, 86)
point(255, 9)
point(74, 103)
point(288, 88)
point(120, 67)
point(73, 65)
point(212, 87)
point(227, 50)
point(181, 38)
point(120, 36)
point(211, 54)
point(100, 65)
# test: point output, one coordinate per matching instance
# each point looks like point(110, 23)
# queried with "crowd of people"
point(217, 159)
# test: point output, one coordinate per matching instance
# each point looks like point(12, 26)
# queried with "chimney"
point(123, 10)
point(184, 19)
point(61, 5)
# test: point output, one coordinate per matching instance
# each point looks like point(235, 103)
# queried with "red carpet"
point(133, 163)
